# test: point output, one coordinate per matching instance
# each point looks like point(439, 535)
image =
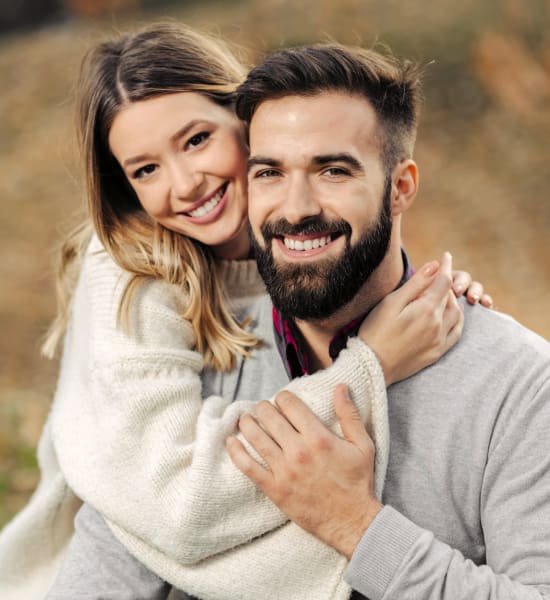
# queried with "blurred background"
point(483, 151)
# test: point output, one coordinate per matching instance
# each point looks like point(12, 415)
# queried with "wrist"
point(387, 372)
point(350, 536)
point(389, 375)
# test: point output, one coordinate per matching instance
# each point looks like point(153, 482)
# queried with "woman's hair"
point(160, 59)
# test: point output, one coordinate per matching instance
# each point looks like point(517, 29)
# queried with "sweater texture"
point(130, 434)
point(467, 493)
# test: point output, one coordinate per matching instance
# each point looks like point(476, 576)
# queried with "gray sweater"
point(468, 488)
point(468, 484)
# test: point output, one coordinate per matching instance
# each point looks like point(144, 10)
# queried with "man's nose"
point(301, 201)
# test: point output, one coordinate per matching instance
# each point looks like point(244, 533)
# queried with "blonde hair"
point(160, 59)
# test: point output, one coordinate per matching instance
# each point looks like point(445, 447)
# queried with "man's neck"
point(318, 334)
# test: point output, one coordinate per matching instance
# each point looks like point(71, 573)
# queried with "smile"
point(309, 244)
point(209, 205)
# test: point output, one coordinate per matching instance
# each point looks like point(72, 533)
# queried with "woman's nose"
point(184, 181)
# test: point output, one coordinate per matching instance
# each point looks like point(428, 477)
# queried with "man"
point(466, 505)
point(366, 232)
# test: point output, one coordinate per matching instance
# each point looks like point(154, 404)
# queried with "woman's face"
point(185, 157)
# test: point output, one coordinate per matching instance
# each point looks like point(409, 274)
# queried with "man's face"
point(319, 200)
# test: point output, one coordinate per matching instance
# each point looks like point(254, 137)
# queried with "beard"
point(316, 291)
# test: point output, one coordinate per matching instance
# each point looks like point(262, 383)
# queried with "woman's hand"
point(473, 290)
point(415, 325)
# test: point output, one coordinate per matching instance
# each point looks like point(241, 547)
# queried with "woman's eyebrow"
point(185, 129)
point(181, 132)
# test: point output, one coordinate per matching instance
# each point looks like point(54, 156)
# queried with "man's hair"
point(393, 88)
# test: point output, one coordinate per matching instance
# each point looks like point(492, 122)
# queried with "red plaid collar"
point(291, 344)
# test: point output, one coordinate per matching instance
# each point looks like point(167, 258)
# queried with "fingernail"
point(458, 288)
point(431, 268)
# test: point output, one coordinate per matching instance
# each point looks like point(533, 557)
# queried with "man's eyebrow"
point(341, 157)
point(262, 160)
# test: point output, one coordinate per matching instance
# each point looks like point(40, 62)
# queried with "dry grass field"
point(483, 152)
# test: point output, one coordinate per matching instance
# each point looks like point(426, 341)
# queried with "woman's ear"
point(404, 186)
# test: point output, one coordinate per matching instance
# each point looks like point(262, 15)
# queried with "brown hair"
point(391, 87)
point(160, 59)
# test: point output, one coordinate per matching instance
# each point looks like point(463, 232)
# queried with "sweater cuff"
point(380, 552)
point(368, 357)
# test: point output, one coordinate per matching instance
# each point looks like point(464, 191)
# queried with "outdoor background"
point(483, 151)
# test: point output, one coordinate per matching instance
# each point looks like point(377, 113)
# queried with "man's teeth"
point(208, 206)
point(310, 244)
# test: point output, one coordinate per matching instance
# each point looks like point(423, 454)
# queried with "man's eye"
point(144, 171)
point(265, 173)
point(336, 171)
point(198, 139)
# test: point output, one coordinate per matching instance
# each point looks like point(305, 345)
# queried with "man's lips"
point(306, 242)
point(304, 246)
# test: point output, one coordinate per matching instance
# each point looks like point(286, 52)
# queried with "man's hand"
point(322, 482)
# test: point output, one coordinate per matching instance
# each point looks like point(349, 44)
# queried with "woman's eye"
point(198, 139)
point(144, 171)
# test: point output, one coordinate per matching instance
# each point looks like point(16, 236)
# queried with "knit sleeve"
point(136, 440)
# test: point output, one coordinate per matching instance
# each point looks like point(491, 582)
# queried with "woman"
point(158, 292)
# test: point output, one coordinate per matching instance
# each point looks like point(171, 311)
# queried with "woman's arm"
point(135, 439)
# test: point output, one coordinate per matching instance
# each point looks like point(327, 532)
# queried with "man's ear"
point(404, 186)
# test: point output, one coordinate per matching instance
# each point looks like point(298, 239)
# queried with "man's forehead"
point(331, 123)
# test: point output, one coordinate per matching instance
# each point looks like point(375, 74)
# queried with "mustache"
point(311, 226)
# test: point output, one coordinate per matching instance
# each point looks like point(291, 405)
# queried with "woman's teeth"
point(310, 244)
point(208, 206)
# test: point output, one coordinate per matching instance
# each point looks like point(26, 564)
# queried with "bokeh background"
point(483, 151)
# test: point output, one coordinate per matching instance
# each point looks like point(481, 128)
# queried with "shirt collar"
point(291, 344)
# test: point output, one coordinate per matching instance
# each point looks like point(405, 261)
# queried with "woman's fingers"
point(461, 282)
point(486, 301)
point(474, 292)
point(416, 285)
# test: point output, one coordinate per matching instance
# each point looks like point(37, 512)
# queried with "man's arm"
point(109, 570)
point(324, 484)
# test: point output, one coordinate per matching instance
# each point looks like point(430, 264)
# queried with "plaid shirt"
point(290, 342)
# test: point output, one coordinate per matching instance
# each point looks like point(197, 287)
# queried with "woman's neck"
point(238, 248)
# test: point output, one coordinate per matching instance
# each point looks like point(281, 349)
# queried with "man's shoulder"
point(499, 334)
point(496, 356)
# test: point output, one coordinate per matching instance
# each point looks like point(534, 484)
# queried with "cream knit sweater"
point(130, 434)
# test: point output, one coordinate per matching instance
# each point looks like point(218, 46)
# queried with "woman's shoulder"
point(154, 309)
point(102, 273)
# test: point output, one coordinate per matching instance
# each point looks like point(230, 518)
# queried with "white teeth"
point(208, 206)
point(292, 244)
